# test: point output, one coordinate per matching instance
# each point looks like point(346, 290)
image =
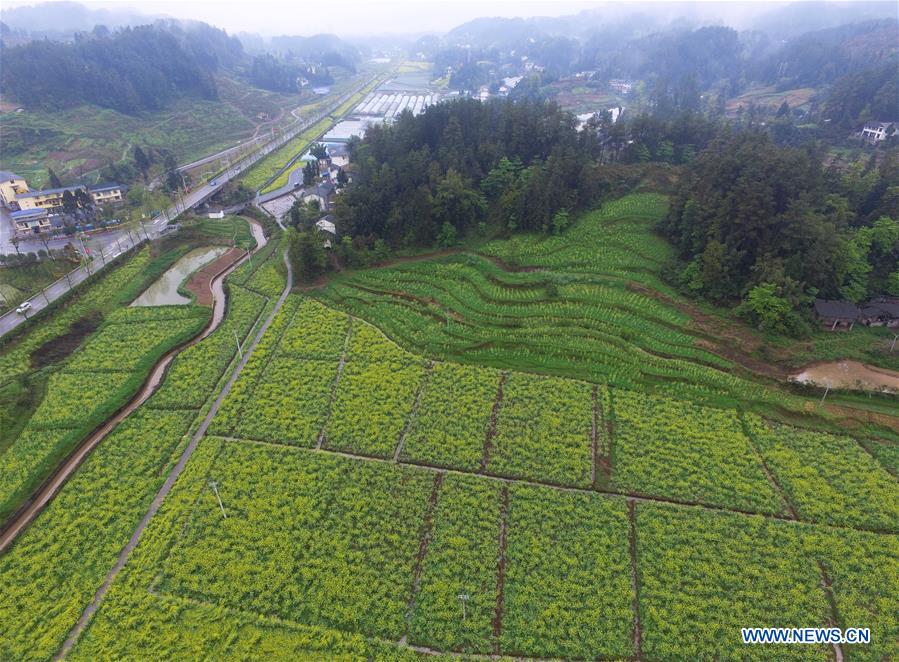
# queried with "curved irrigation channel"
point(23, 517)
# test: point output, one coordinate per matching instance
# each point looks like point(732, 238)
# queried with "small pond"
point(164, 292)
point(850, 375)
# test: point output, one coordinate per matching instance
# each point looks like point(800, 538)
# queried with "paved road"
point(219, 155)
point(41, 300)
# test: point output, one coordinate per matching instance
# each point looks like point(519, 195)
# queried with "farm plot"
point(75, 396)
point(166, 628)
point(196, 370)
point(453, 417)
point(283, 395)
point(111, 287)
point(56, 565)
point(828, 478)
point(863, 569)
point(241, 393)
point(290, 402)
point(704, 575)
point(345, 532)
point(267, 280)
point(123, 346)
point(543, 430)
point(461, 559)
point(317, 332)
point(368, 343)
point(372, 405)
point(567, 591)
point(682, 451)
point(78, 400)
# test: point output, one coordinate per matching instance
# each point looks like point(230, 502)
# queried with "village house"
point(621, 86)
point(52, 199)
point(326, 224)
point(11, 185)
point(875, 132)
point(31, 221)
point(836, 313)
point(879, 311)
point(339, 154)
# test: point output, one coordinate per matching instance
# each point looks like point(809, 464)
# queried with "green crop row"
point(55, 566)
point(828, 478)
point(96, 381)
point(310, 541)
point(465, 308)
point(270, 165)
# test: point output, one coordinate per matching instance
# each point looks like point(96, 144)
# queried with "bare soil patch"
point(57, 349)
point(200, 284)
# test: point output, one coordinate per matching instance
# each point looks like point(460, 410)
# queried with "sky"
point(351, 17)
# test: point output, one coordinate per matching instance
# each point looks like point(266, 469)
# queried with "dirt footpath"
point(200, 284)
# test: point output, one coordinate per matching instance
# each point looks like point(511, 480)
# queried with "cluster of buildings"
point(40, 211)
point(880, 311)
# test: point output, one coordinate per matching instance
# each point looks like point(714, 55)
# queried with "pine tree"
point(55, 181)
point(142, 161)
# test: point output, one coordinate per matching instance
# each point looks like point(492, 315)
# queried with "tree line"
point(129, 70)
point(464, 165)
point(773, 228)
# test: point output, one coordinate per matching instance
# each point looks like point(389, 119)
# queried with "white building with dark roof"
point(875, 132)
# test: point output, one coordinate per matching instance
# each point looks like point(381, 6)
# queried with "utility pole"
point(239, 348)
point(463, 598)
point(84, 253)
point(826, 391)
point(215, 488)
point(893, 346)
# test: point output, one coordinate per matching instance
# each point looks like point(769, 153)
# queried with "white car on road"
point(24, 308)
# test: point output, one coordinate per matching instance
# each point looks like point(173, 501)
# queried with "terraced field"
point(381, 533)
point(571, 305)
point(473, 489)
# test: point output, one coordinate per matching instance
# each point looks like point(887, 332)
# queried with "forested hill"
point(821, 57)
point(132, 69)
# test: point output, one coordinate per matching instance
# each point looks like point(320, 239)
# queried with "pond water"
point(164, 292)
point(849, 375)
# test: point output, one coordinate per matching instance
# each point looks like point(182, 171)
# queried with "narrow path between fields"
point(638, 497)
point(175, 472)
